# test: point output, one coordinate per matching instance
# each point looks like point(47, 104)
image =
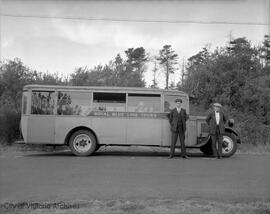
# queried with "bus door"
point(41, 122)
point(144, 124)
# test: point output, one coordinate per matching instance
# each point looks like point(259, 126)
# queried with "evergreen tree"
point(167, 59)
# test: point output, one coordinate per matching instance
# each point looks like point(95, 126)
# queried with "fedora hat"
point(217, 105)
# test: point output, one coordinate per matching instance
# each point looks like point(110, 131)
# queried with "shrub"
point(251, 129)
point(9, 123)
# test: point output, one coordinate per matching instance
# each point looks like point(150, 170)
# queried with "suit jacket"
point(173, 119)
point(211, 121)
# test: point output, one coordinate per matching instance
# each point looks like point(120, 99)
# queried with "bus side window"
point(144, 103)
point(42, 102)
point(103, 101)
point(73, 103)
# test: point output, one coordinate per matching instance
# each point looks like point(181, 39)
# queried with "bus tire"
point(229, 146)
point(82, 143)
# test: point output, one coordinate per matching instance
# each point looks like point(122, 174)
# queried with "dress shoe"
point(185, 157)
point(170, 157)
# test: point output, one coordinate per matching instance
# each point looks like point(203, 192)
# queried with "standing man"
point(177, 119)
point(216, 119)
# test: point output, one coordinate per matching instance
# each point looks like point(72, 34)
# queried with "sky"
point(88, 33)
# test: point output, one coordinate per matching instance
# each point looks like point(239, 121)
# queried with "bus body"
point(58, 115)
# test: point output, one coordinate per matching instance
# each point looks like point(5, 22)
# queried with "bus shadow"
point(144, 154)
point(115, 154)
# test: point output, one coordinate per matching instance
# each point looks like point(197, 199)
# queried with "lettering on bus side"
point(128, 114)
point(100, 113)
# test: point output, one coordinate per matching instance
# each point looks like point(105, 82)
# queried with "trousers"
point(175, 135)
point(217, 139)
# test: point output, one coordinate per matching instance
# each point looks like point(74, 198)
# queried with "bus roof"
point(101, 88)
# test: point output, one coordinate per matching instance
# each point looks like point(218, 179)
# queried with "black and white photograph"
point(135, 106)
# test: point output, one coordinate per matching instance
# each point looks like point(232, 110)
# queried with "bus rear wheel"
point(82, 143)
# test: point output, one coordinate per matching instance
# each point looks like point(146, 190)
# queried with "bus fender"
point(79, 128)
point(232, 131)
point(228, 130)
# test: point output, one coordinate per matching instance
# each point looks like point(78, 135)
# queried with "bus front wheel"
point(229, 146)
point(82, 143)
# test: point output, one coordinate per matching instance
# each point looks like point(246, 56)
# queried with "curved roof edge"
point(106, 88)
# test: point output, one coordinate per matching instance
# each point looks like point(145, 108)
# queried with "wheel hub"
point(224, 144)
point(82, 143)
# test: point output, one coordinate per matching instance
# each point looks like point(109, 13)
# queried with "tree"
point(167, 59)
point(135, 67)
point(136, 58)
point(265, 51)
point(154, 81)
point(14, 75)
point(79, 77)
point(119, 70)
point(198, 76)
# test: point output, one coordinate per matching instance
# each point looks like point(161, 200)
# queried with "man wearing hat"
point(216, 120)
point(177, 119)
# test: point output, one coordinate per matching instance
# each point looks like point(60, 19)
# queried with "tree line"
point(236, 75)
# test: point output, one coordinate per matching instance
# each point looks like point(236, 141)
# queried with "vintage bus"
point(84, 118)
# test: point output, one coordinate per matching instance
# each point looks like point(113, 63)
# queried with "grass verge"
point(253, 149)
point(153, 206)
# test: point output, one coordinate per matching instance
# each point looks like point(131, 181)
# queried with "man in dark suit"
point(177, 119)
point(216, 120)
